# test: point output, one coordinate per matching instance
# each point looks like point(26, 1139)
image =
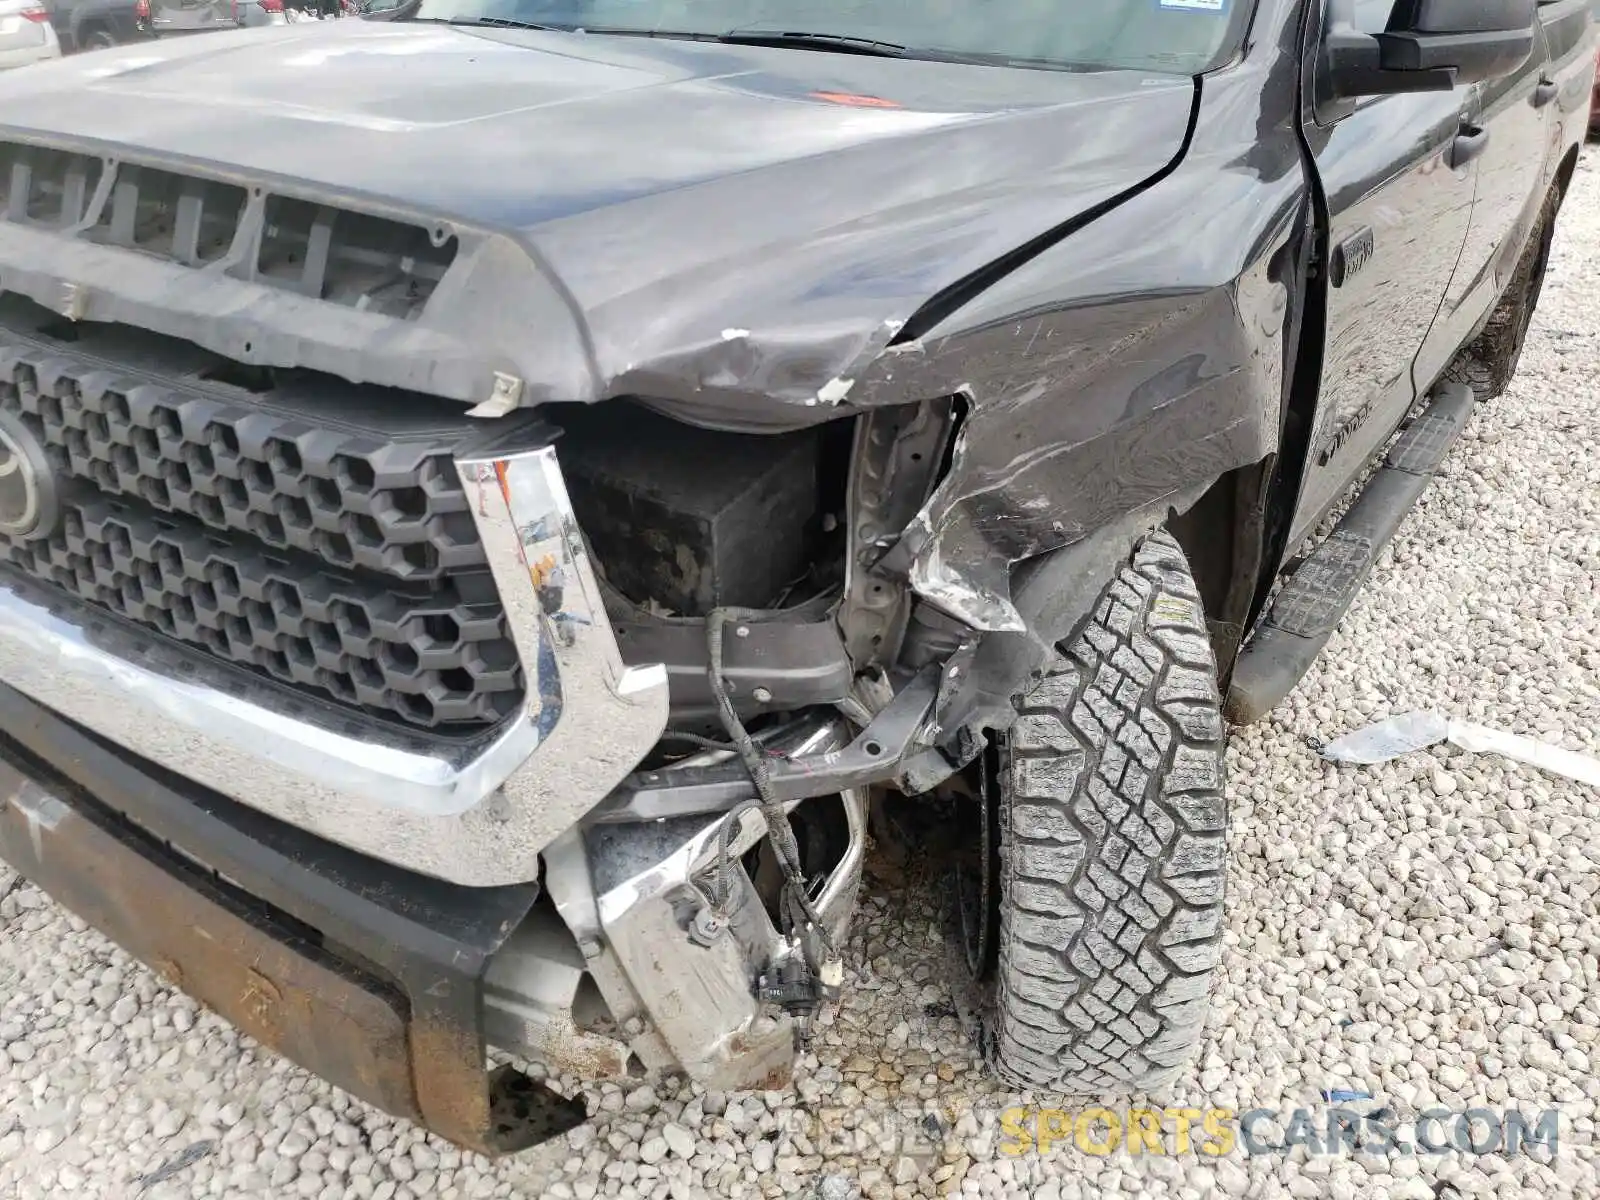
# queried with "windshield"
point(1183, 36)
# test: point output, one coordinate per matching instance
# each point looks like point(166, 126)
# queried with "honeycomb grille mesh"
point(334, 559)
point(391, 507)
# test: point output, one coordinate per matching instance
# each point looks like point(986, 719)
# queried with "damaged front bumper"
point(552, 894)
point(562, 910)
point(675, 972)
point(394, 986)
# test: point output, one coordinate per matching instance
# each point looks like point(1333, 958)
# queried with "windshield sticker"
point(1206, 6)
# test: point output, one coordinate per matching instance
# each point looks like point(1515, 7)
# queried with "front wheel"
point(98, 39)
point(1112, 828)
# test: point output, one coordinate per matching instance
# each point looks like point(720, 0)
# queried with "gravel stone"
point(124, 1010)
point(680, 1140)
point(761, 1156)
point(654, 1150)
point(48, 1139)
point(1424, 931)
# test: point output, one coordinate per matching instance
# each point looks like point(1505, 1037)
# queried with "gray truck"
point(493, 500)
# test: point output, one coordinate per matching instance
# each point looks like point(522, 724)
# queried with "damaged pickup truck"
point(492, 500)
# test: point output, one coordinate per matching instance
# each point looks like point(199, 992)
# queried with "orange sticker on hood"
point(855, 101)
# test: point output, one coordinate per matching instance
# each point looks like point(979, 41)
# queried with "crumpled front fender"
point(1121, 371)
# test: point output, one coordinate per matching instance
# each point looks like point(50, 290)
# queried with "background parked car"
point(26, 35)
point(93, 24)
point(1594, 100)
point(320, 10)
point(1594, 106)
point(159, 18)
point(398, 10)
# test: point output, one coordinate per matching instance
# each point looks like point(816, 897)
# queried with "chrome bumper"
point(476, 813)
point(624, 897)
point(698, 1000)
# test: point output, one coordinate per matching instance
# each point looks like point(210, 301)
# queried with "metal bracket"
point(503, 399)
point(790, 661)
point(894, 464)
point(819, 764)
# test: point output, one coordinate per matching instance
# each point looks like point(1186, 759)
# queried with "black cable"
point(779, 832)
point(694, 739)
point(729, 824)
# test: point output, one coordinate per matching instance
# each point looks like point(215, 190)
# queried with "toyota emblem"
point(28, 504)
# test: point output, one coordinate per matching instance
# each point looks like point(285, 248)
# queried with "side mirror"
point(1430, 45)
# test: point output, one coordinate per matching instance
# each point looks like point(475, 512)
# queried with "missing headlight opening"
point(792, 530)
point(683, 520)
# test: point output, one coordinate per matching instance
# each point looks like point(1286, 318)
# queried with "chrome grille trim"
point(473, 812)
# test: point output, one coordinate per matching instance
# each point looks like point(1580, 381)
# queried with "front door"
point(1398, 208)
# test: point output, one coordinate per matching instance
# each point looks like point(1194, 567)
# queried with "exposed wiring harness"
point(805, 978)
point(694, 739)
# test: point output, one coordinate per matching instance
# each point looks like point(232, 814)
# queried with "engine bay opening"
point(171, 216)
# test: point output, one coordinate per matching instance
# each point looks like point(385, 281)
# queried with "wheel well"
point(1235, 535)
point(1224, 536)
point(1564, 172)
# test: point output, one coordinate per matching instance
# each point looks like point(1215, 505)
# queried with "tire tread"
point(1112, 844)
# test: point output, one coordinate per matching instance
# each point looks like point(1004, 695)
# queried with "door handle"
point(1547, 91)
point(1472, 141)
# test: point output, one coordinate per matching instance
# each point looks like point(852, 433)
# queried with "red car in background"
point(1594, 105)
point(1594, 98)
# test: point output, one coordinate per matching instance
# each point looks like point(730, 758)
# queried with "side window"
point(1372, 16)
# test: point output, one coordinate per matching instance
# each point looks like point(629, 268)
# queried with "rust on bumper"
point(273, 985)
point(373, 983)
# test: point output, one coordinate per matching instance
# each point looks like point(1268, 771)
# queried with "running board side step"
point(1311, 604)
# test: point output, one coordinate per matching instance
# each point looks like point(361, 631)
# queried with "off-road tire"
point(1112, 835)
point(1490, 362)
point(98, 38)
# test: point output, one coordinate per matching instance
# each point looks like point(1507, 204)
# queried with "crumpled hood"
point(726, 227)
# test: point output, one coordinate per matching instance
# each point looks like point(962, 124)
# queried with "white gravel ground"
point(1424, 931)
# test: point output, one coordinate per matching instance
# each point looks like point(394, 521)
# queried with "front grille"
point(314, 532)
point(355, 501)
